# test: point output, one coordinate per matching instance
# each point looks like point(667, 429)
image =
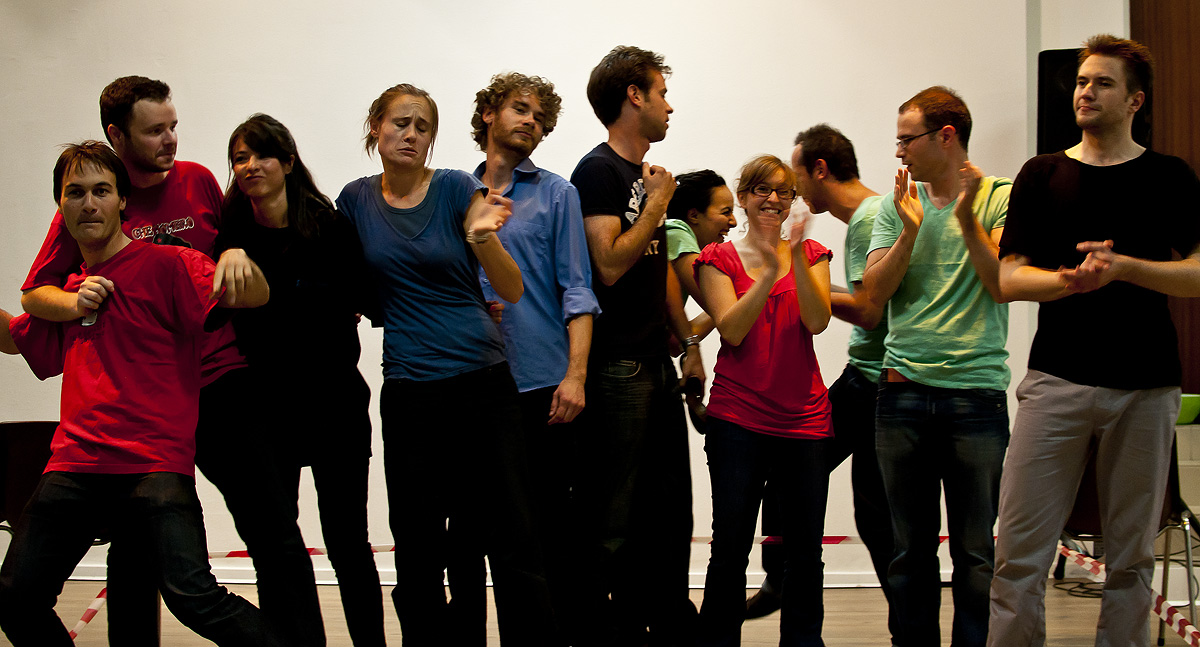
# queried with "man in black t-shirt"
point(1090, 235)
point(634, 479)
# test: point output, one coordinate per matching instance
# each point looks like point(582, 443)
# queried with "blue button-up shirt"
point(545, 237)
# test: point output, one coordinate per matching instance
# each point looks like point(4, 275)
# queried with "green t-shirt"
point(680, 239)
point(866, 346)
point(944, 329)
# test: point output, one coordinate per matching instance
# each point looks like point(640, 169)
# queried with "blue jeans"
point(159, 513)
point(634, 499)
point(926, 436)
point(740, 461)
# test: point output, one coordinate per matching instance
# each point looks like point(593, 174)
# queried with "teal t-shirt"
point(866, 346)
point(944, 329)
point(680, 239)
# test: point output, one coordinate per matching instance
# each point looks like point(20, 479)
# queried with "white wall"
point(747, 78)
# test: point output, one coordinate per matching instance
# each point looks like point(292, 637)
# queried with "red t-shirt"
point(770, 383)
point(186, 204)
point(131, 380)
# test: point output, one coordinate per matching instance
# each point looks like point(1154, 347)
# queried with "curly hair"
point(514, 83)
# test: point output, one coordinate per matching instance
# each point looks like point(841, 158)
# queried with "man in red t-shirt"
point(181, 201)
point(123, 454)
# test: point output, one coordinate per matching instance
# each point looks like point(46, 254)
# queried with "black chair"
point(1084, 525)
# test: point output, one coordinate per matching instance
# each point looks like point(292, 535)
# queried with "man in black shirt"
point(1090, 235)
point(634, 478)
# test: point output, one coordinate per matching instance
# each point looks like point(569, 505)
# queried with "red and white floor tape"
point(1162, 609)
point(91, 612)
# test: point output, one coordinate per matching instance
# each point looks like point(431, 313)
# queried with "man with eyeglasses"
point(942, 414)
point(1089, 242)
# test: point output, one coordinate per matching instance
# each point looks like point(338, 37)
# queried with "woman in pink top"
point(769, 415)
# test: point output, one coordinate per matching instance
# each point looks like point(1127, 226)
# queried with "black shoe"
point(762, 604)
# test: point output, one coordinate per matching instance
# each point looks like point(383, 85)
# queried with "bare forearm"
point(51, 303)
point(612, 260)
point(856, 308)
point(1020, 281)
point(579, 344)
point(682, 266)
point(1177, 278)
point(500, 268)
point(702, 324)
point(886, 268)
point(812, 290)
point(735, 322)
point(7, 345)
point(984, 253)
point(677, 319)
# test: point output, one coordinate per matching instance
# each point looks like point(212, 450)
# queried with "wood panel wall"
point(1171, 29)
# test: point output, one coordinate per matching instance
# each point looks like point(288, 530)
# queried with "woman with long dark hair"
point(768, 411)
point(303, 348)
point(453, 446)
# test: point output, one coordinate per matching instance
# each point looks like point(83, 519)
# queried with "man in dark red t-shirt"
point(123, 454)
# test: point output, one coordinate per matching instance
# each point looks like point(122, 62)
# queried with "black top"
point(635, 307)
point(1120, 336)
point(303, 344)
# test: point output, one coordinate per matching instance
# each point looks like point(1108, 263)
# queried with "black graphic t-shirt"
point(635, 313)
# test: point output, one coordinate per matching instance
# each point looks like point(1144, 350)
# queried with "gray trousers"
point(1057, 427)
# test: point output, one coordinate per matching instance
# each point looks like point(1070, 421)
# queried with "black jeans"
point(739, 462)
point(634, 501)
point(454, 451)
point(160, 513)
point(853, 399)
point(551, 452)
point(341, 485)
point(234, 454)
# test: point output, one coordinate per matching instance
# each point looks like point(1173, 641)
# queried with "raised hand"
point(798, 232)
point(490, 219)
point(659, 185)
point(970, 177)
point(908, 205)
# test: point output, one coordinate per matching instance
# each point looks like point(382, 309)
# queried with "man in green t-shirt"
point(827, 178)
point(942, 414)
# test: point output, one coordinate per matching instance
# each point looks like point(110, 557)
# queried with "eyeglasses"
point(903, 142)
point(764, 191)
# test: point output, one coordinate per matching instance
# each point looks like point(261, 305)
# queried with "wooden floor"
point(852, 617)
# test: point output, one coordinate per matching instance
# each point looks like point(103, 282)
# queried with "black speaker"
point(1056, 129)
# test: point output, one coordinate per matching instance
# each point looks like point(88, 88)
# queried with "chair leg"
point(1186, 524)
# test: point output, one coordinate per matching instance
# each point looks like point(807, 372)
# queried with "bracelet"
point(693, 340)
